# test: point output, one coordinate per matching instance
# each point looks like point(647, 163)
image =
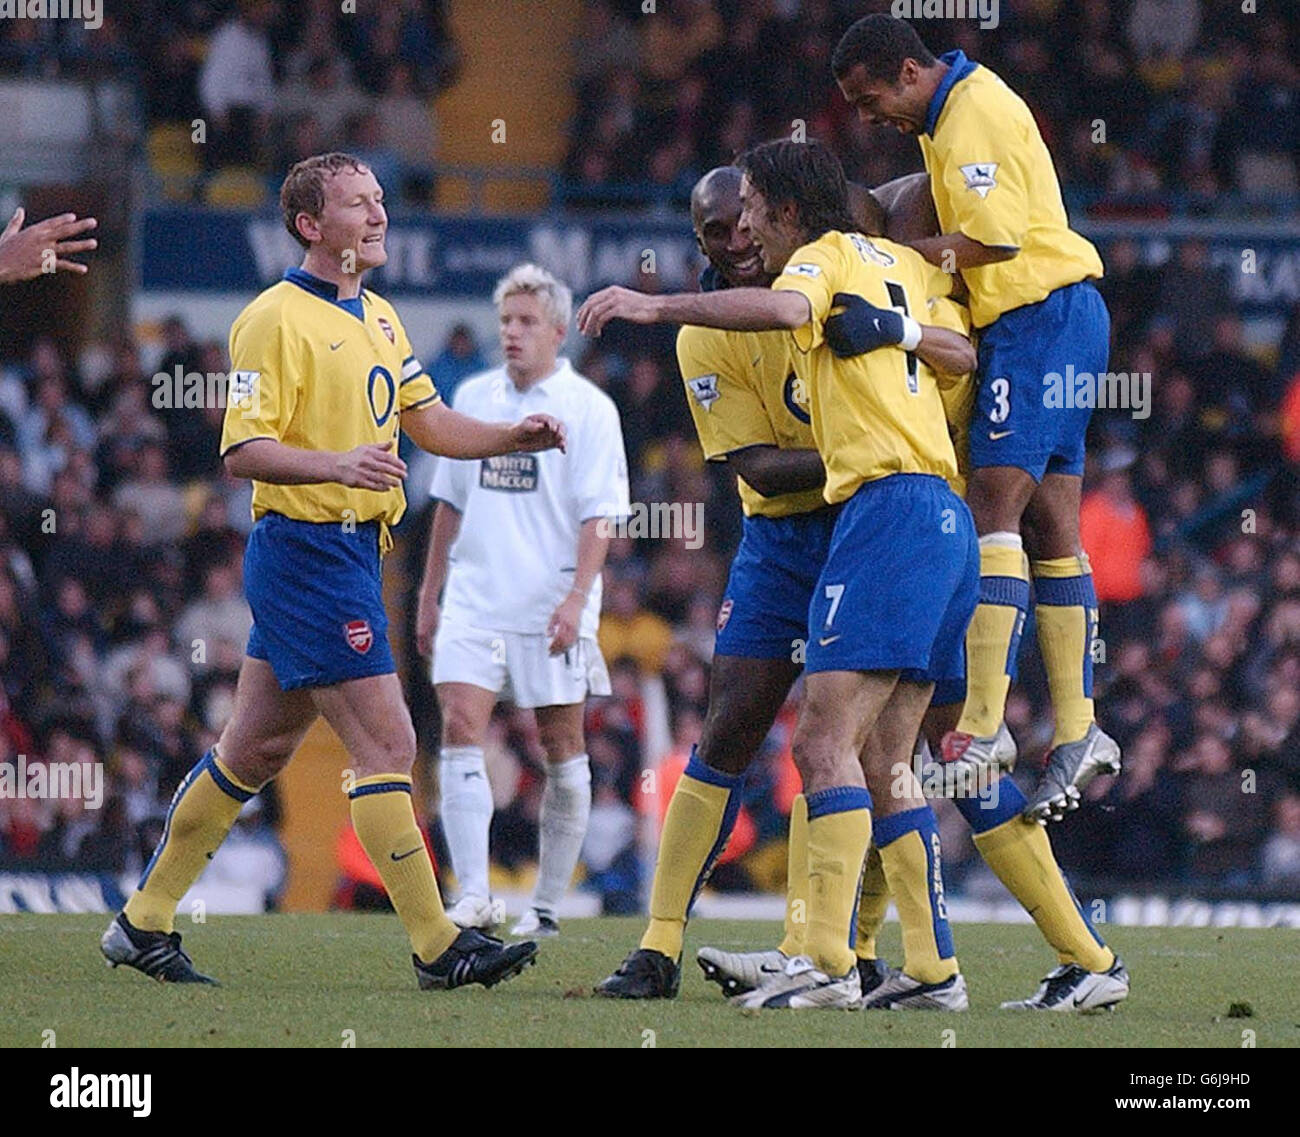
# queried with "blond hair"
point(557, 300)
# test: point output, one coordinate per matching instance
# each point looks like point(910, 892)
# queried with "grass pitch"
point(306, 980)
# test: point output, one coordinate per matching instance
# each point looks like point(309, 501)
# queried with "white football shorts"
point(518, 667)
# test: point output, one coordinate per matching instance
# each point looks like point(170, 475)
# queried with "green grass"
point(304, 980)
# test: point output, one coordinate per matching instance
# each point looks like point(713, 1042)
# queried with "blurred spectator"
point(627, 629)
point(460, 358)
point(1114, 532)
point(237, 85)
point(1281, 858)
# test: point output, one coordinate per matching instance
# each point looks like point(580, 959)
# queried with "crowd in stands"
point(271, 81)
point(1142, 102)
point(122, 621)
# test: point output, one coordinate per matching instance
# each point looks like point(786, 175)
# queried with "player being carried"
point(526, 538)
point(323, 374)
point(1003, 226)
point(882, 633)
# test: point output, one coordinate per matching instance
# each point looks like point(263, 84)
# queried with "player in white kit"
point(520, 541)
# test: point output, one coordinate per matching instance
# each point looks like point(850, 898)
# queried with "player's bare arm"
point(957, 251)
point(738, 309)
point(373, 466)
point(593, 545)
point(446, 527)
point(26, 254)
point(445, 432)
point(756, 310)
point(772, 471)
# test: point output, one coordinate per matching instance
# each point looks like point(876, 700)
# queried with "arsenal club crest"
point(386, 328)
point(359, 635)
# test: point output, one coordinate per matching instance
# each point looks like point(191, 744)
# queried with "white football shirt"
point(515, 557)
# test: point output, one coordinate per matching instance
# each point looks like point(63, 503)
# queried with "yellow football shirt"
point(743, 391)
point(956, 391)
point(992, 179)
point(307, 372)
point(876, 414)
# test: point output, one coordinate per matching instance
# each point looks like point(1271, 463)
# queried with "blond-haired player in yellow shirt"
point(322, 377)
point(1039, 318)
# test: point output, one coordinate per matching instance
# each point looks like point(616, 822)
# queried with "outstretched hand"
point(615, 303)
point(539, 432)
point(42, 248)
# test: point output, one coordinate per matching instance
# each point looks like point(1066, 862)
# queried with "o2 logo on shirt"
point(795, 394)
point(381, 388)
point(509, 473)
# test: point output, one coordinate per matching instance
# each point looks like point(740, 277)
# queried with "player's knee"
point(561, 742)
point(460, 726)
point(729, 751)
point(256, 762)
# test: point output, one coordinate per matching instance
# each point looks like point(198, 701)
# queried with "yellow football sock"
point(385, 823)
point(796, 880)
point(909, 852)
point(1021, 857)
point(1065, 607)
point(839, 831)
point(873, 902)
point(696, 827)
point(993, 638)
point(201, 813)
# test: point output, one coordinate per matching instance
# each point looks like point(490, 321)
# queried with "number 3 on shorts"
point(1001, 389)
point(834, 593)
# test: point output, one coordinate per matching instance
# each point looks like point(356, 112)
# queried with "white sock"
point(466, 812)
point(566, 804)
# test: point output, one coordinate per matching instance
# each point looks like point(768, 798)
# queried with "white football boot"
point(900, 992)
point(739, 972)
point(479, 912)
point(1070, 988)
point(536, 924)
point(801, 986)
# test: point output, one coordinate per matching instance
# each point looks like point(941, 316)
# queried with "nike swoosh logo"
point(336, 346)
point(826, 641)
point(767, 969)
point(1079, 1000)
point(996, 435)
point(403, 856)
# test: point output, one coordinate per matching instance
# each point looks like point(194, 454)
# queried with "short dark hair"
point(806, 173)
point(880, 43)
point(303, 189)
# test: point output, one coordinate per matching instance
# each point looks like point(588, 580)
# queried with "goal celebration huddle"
point(869, 362)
